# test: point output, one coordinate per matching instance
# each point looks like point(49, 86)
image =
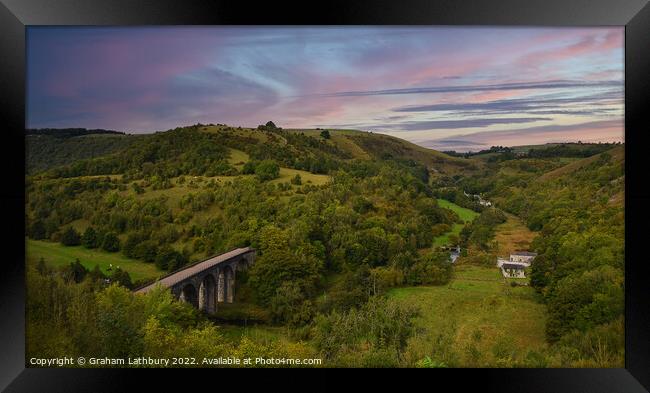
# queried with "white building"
point(513, 270)
point(501, 261)
point(523, 257)
point(514, 267)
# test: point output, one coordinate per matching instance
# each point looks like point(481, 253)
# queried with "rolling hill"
point(47, 150)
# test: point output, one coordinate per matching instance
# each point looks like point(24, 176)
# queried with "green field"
point(477, 320)
point(286, 174)
point(465, 214)
point(56, 254)
point(238, 158)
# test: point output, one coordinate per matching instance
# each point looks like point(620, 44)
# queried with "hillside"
point(348, 227)
point(617, 154)
point(298, 149)
point(45, 150)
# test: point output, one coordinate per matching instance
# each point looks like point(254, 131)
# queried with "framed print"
point(406, 186)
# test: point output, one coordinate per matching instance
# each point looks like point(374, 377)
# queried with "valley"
point(350, 229)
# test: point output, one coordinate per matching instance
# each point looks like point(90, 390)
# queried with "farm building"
point(501, 261)
point(523, 257)
point(514, 267)
point(513, 270)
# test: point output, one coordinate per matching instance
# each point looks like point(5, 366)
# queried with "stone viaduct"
point(206, 283)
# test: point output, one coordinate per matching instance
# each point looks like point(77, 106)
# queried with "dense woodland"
point(327, 252)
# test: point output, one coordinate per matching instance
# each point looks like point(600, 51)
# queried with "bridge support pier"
point(207, 295)
point(221, 282)
point(230, 279)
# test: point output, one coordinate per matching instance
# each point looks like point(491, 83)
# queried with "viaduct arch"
point(205, 284)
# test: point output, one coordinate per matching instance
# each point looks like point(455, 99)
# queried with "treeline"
point(492, 149)
point(182, 151)
point(69, 132)
point(504, 153)
point(571, 150)
point(45, 151)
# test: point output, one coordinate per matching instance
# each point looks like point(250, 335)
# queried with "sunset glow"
point(462, 88)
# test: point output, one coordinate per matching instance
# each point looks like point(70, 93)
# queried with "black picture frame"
point(15, 15)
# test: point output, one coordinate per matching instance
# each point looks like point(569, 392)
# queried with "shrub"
point(111, 242)
point(89, 238)
point(70, 237)
point(267, 170)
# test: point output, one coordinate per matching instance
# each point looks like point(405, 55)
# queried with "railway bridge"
point(206, 283)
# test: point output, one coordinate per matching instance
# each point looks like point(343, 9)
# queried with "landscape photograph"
point(325, 197)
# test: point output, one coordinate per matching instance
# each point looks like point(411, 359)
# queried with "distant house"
point(478, 198)
point(513, 270)
point(514, 267)
point(523, 257)
point(455, 253)
point(501, 261)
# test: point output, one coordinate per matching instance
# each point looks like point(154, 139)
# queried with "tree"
point(433, 268)
point(89, 238)
point(277, 266)
point(41, 268)
point(325, 134)
point(37, 230)
point(147, 251)
point(290, 306)
point(122, 278)
point(70, 237)
point(77, 271)
point(296, 180)
point(111, 242)
point(249, 168)
point(267, 170)
point(169, 259)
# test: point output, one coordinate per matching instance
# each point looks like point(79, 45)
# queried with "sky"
point(448, 88)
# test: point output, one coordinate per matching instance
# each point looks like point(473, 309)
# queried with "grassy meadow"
point(477, 320)
point(56, 255)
